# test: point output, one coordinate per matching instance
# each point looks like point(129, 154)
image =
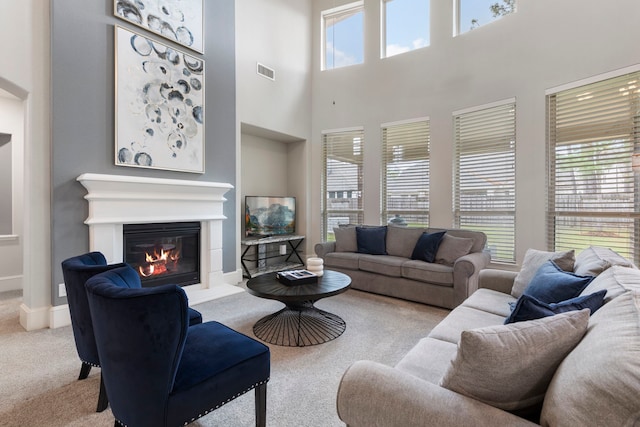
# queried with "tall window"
point(471, 14)
point(343, 36)
point(484, 184)
point(405, 173)
point(405, 26)
point(341, 180)
point(593, 130)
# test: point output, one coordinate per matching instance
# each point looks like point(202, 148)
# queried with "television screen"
point(269, 216)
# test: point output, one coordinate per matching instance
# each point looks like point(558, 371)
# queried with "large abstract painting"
point(159, 105)
point(178, 20)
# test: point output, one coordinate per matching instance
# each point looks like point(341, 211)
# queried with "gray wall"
point(82, 51)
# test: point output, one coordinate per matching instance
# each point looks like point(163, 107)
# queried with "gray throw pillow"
point(402, 240)
point(596, 259)
point(451, 248)
point(533, 260)
point(510, 366)
point(598, 383)
point(346, 240)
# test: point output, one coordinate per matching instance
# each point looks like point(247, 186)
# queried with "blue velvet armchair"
point(76, 271)
point(157, 370)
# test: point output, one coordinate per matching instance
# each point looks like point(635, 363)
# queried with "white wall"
point(276, 33)
point(12, 122)
point(544, 44)
point(24, 72)
point(274, 156)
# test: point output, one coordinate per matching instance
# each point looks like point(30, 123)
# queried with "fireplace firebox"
point(163, 253)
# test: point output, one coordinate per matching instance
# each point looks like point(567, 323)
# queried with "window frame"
point(457, 16)
point(498, 127)
point(383, 30)
point(357, 151)
point(595, 112)
point(414, 142)
point(355, 7)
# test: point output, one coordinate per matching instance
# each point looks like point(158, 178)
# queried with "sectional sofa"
point(579, 367)
point(385, 262)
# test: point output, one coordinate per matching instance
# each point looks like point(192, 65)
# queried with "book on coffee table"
point(296, 277)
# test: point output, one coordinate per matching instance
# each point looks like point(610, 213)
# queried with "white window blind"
point(341, 180)
point(405, 173)
point(484, 176)
point(593, 130)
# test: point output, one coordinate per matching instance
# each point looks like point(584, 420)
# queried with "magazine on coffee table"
point(296, 277)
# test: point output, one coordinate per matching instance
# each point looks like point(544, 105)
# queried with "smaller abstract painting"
point(159, 105)
point(180, 21)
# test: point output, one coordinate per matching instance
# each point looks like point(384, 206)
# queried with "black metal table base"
point(299, 325)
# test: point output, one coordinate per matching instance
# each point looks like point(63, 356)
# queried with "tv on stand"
point(266, 216)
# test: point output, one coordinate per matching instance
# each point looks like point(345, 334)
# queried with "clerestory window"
point(343, 36)
point(404, 26)
point(470, 14)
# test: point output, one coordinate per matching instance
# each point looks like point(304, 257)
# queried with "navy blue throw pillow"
point(529, 308)
point(372, 240)
point(552, 284)
point(427, 246)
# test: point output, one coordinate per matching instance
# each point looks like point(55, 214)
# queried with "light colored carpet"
point(38, 385)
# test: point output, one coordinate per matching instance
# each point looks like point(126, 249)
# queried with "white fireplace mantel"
point(115, 200)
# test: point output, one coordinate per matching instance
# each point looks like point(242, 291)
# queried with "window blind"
point(341, 180)
point(484, 176)
point(405, 173)
point(593, 130)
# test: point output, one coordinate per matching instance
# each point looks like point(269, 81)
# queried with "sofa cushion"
point(596, 259)
point(552, 284)
point(533, 260)
point(427, 246)
point(510, 366)
point(372, 240)
point(346, 239)
point(428, 272)
point(616, 281)
point(451, 248)
point(347, 260)
point(402, 240)
point(490, 301)
point(598, 383)
point(381, 264)
point(529, 308)
point(463, 318)
point(428, 359)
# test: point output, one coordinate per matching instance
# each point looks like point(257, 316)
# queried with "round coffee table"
point(299, 323)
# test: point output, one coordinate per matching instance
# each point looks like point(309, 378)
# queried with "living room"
point(62, 77)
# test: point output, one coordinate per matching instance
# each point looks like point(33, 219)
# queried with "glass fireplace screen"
point(164, 253)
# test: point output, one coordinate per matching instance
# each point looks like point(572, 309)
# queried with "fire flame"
point(159, 263)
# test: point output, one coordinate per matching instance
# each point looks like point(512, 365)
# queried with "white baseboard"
point(32, 319)
point(10, 283)
point(59, 316)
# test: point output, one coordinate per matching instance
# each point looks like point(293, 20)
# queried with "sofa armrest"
point(497, 280)
point(465, 274)
point(372, 395)
point(321, 249)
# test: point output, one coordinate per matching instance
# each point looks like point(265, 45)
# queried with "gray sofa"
point(445, 283)
point(596, 382)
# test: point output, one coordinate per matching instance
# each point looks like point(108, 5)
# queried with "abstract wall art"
point(159, 113)
point(178, 20)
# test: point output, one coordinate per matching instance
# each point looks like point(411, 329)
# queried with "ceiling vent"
point(266, 72)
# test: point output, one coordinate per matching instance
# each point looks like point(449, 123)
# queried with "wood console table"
point(257, 251)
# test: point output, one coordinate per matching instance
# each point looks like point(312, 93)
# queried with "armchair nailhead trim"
point(95, 365)
point(213, 409)
point(226, 401)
